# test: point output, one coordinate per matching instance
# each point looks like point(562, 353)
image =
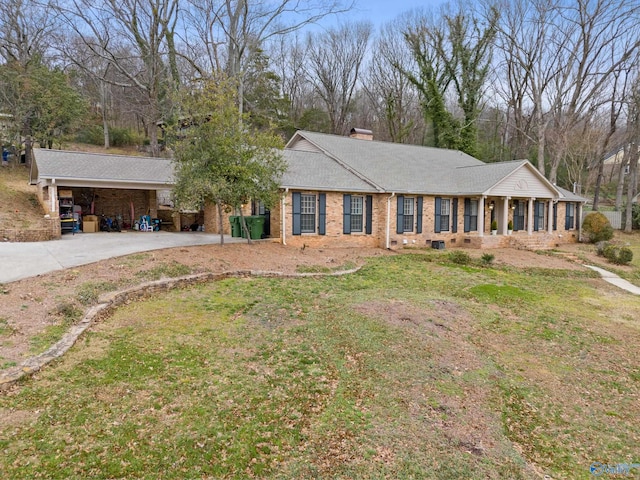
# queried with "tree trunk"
point(541, 148)
point(621, 176)
point(596, 193)
point(243, 225)
point(632, 186)
point(28, 150)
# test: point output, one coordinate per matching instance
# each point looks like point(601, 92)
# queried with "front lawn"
point(413, 367)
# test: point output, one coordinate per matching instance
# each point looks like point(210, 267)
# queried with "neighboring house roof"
point(310, 170)
point(400, 168)
point(76, 168)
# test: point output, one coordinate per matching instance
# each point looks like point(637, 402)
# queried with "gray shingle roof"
point(394, 167)
point(569, 196)
point(480, 178)
point(314, 170)
point(60, 164)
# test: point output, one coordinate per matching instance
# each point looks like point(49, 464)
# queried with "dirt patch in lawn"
point(34, 307)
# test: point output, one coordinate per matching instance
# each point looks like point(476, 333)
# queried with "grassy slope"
point(412, 368)
point(19, 207)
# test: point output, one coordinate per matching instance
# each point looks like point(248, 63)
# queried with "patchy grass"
point(89, 292)
point(325, 269)
point(62, 317)
point(414, 367)
point(164, 270)
point(6, 330)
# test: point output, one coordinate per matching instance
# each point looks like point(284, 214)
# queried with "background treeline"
point(554, 81)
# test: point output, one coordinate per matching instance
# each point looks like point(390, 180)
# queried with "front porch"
point(517, 240)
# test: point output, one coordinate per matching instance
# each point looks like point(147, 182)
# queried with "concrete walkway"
point(21, 260)
point(614, 279)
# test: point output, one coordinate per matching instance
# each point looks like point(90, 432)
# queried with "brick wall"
point(334, 229)
point(50, 231)
point(335, 237)
point(211, 223)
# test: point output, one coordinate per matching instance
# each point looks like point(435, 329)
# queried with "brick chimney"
point(361, 134)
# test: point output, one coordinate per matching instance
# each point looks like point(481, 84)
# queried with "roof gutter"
point(388, 237)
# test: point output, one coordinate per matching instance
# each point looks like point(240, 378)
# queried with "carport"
point(121, 186)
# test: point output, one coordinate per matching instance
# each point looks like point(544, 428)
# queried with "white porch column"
point(53, 197)
point(550, 217)
point(530, 217)
point(505, 216)
point(481, 217)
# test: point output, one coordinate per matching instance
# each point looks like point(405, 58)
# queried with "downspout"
point(284, 216)
point(393, 194)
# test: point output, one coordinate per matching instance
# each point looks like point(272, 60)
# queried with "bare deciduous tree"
point(335, 61)
point(137, 39)
point(390, 92)
point(233, 31)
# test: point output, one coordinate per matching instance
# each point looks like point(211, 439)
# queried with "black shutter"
point(400, 215)
point(454, 216)
point(467, 214)
point(535, 215)
point(516, 216)
point(369, 214)
point(419, 222)
point(438, 212)
point(297, 208)
point(555, 216)
point(346, 214)
point(322, 218)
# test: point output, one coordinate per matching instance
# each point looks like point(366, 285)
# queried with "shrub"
point(487, 258)
point(118, 137)
point(494, 225)
point(596, 228)
point(600, 246)
point(625, 256)
point(510, 225)
point(459, 257)
point(617, 255)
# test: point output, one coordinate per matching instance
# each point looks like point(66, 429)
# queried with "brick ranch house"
point(345, 191)
point(354, 191)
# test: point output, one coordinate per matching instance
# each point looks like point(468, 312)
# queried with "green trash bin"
point(256, 227)
point(235, 225)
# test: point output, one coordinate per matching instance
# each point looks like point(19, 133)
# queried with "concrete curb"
point(109, 302)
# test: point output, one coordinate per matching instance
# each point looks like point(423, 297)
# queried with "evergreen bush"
point(596, 228)
point(459, 257)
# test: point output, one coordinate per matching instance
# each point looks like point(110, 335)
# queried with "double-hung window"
point(569, 222)
point(445, 214)
point(307, 213)
point(408, 214)
point(470, 215)
point(357, 211)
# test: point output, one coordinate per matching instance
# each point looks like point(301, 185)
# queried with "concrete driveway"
point(22, 260)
